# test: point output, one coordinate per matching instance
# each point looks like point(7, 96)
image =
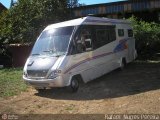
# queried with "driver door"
point(83, 55)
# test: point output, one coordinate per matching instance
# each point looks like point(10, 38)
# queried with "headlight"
point(25, 69)
point(25, 74)
point(54, 74)
point(57, 71)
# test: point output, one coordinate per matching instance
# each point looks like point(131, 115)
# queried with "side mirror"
point(88, 44)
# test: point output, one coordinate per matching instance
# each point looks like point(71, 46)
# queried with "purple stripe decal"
point(86, 60)
point(98, 56)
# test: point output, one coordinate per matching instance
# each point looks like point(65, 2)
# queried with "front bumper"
point(45, 83)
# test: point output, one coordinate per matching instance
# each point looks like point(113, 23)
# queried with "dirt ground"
point(134, 90)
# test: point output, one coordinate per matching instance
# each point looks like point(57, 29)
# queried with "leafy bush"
point(147, 37)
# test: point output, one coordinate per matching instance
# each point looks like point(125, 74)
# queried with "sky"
point(87, 2)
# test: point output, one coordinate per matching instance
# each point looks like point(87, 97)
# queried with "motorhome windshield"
point(53, 42)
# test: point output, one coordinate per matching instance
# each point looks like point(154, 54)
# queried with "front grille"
point(37, 73)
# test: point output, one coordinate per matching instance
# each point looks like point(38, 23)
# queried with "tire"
point(74, 85)
point(41, 90)
point(123, 64)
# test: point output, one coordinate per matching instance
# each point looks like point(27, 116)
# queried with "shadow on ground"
point(136, 78)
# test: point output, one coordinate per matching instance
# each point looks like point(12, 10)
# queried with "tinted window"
point(104, 35)
point(120, 32)
point(101, 35)
point(130, 33)
point(112, 34)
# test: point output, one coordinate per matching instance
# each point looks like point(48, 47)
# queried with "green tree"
point(24, 21)
point(73, 3)
point(147, 37)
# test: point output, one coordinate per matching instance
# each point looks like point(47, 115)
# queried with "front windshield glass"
point(53, 42)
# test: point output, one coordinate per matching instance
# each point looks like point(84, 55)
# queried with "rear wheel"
point(123, 64)
point(74, 85)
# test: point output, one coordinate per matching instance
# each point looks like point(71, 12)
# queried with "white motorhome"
point(80, 49)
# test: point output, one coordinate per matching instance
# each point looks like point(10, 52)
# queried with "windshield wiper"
point(54, 53)
point(58, 55)
point(48, 51)
point(35, 54)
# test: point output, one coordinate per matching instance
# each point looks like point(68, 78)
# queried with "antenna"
point(11, 3)
point(90, 15)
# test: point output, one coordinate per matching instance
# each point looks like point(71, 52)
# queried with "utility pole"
point(11, 3)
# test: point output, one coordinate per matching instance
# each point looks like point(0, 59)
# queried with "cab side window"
point(83, 40)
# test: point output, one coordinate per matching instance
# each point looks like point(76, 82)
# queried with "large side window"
point(130, 33)
point(112, 33)
point(104, 35)
point(101, 35)
point(120, 32)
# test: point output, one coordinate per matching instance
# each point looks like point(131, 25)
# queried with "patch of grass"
point(11, 82)
point(70, 107)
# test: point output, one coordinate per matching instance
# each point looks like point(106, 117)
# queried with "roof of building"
point(127, 6)
point(2, 7)
point(115, 3)
point(104, 4)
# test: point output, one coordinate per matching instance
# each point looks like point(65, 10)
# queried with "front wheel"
point(41, 91)
point(74, 85)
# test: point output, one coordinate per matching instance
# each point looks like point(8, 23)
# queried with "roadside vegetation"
point(11, 82)
point(147, 37)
